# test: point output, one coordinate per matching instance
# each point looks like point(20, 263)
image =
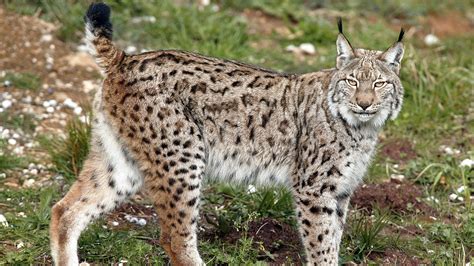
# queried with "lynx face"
point(366, 89)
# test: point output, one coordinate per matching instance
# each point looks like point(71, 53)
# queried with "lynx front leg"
point(321, 215)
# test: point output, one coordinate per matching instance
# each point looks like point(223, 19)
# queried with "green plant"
point(27, 81)
point(68, 154)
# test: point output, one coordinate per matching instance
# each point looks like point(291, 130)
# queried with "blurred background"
point(415, 207)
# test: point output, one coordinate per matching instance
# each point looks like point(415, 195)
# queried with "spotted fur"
point(164, 120)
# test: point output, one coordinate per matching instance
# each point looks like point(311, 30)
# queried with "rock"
point(29, 183)
point(12, 141)
point(77, 110)
point(467, 163)
point(149, 19)
point(20, 245)
point(431, 40)
point(46, 38)
point(3, 220)
point(291, 48)
point(50, 109)
point(307, 48)
point(131, 49)
point(114, 223)
point(251, 189)
point(6, 104)
point(141, 222)
point(70, 103)
point(398, 178)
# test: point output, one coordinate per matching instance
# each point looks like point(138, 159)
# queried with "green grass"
point(23, 122)
point(7, 159)
point(437, 110)
point(27, 81)
point(69, 153)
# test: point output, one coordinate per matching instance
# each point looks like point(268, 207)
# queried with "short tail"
point(99, 36)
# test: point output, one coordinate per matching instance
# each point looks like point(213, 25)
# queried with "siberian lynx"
point(165, 120)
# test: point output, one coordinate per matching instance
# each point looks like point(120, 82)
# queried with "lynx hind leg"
point(99, 189)
point(173, 182)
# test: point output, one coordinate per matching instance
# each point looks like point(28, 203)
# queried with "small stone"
point(46, 38)
point(291, 48)
point(53, 102)
point(20, 245)
point(46, 104)
point(84, 264)
point(70, 103)
point(29, 183)
point(141, 222)
point(88, 85)
point(399, 178)
point(114, 223)
point(77, 110)
point(21, 214)
point(467, 163)
point(50, 109)
point(7, 83)
point(131, 49)
point(453, 197)
point(251, 189)
point(34, 171)
point(3, 175)
point(3, 220)
point(6, 104)
point(307, 48)
point(12, 141)
point(15, 136)
point(149, 19)
point(431, 40)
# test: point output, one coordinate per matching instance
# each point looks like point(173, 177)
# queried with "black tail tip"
point(98, 15)
point(400, 36)
point(339, 24)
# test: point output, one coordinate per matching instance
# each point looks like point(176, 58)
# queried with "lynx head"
point(366, 89)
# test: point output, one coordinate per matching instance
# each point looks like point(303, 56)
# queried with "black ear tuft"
point(98, 15)
point(400, 36)
point(339, 24)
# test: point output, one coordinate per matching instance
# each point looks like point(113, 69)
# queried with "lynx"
point(167, 119)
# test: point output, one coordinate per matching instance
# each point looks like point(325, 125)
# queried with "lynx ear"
point(393, 55)
point(345, 52)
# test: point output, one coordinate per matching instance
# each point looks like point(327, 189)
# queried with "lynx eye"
point(351, 82)
point(379, 84)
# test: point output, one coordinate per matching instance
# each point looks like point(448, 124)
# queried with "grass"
point(7, 159)
point(437, 111)
point(68, 154)
point(26, 81)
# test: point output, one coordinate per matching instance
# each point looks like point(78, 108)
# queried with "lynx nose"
point(364, 100)
point(364, 104)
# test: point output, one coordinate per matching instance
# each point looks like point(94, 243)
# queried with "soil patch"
point(396, 257)
point(272, 237)
point(401, 198)
point(400, 150)
point(452, 23)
